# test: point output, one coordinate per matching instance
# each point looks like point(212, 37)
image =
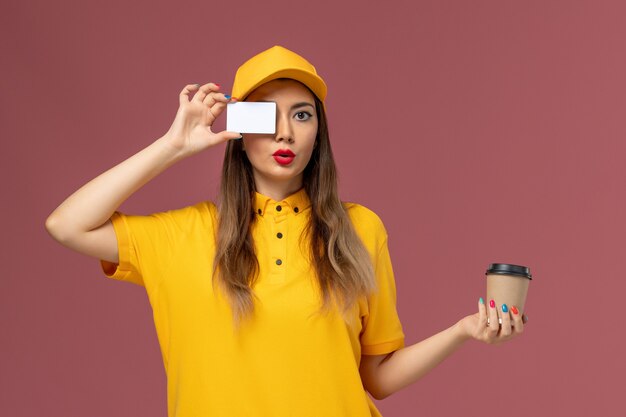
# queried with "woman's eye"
point(303, 115)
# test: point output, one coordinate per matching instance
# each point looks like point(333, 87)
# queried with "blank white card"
point(251, 117)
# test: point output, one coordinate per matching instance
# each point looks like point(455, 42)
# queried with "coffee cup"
point(508, 284)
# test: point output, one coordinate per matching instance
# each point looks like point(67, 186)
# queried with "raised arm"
point(82, 223)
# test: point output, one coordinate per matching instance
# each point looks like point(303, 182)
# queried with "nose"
point(284, 131)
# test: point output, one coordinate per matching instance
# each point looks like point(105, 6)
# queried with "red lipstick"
point(284, 156)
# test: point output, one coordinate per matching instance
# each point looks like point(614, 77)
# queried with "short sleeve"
point(382, 331)
point(147, 244)
point(382, 327)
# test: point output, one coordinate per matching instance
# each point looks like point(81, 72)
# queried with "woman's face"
point(278, 160)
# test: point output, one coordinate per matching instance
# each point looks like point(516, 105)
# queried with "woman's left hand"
point(476, 327)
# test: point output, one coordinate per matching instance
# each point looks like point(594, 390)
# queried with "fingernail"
point(240, 136)
point(480, 300)
point(227, 96)
point(514, 310)
point(217, 84)
point(492, 304)
point(505, 309)
point(197, 85)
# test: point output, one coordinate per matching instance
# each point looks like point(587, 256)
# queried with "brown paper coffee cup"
point(508, 284)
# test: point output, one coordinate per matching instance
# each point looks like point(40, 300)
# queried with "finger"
point(494, 326)
point(213, 97)
point(225, 135)
point(216, 110)
point(482, 312)
point(525, 318)
point(204, 90)
point(184, 95)
point(518, 323)
point(505, 328)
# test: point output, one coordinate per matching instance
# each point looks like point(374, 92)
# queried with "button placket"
point(279, 242)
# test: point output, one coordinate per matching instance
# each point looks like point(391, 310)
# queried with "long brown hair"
point(343, 266)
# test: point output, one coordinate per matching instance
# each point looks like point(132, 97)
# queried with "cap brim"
point(315, 83)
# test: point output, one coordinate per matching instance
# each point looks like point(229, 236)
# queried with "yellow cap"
point(276, 62)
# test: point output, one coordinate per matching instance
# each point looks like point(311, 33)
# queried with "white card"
point(251, 117)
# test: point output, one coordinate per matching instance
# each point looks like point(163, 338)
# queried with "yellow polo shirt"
point(286, 361)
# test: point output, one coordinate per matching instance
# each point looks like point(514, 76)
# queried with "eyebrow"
point(295, 106)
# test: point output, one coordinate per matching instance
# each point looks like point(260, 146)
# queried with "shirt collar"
point(296, 203)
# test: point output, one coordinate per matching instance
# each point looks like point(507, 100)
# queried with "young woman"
point(281, 299)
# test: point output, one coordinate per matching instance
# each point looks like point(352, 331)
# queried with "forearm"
point(94, 203)
point(410, 363)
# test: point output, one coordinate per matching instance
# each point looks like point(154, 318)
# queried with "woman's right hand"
point(191, 131)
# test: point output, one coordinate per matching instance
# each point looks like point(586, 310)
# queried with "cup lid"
point(509, 269)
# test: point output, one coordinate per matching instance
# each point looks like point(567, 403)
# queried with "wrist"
point(460, 331)
point(173, 153)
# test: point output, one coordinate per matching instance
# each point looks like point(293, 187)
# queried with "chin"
point(283, 174)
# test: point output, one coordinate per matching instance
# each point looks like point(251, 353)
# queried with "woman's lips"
point(284, 156)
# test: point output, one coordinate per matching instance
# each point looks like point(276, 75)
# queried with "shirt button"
point(279, 262)
point(295, 209)
point(260, 211)
point(278, 208)
point(279, 235)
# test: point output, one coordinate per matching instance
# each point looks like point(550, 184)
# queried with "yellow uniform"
point(286, 361)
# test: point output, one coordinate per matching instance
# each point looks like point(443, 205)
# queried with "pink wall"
point(480, 131)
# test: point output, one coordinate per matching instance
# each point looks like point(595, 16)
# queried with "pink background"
point(479, 131)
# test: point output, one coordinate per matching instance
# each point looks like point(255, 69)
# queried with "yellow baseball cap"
point(276, 62)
